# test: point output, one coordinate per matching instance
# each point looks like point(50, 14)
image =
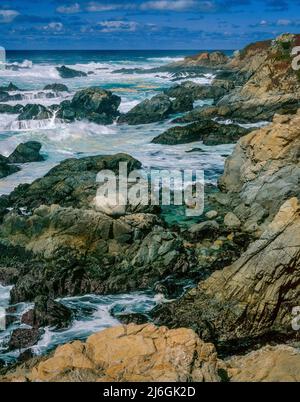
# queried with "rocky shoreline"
point(243, 254)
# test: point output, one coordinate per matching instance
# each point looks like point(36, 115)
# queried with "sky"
point(143, 24)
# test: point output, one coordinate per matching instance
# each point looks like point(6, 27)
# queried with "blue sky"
point(143, 24)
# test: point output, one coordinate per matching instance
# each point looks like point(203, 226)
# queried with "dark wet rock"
point(195, 150)
point(25, 356)
point(66, 72)
point(93, 104)
point(6, 97)
point(76, 248)
point(156, 109)
point(208, 131)
point(197, 91)
point(56, 87)
point(27, 152)
point(24, 338)
point(9, 109)
point(135, 318)
point(5, 168)
point(47, 312)
point(35, 112)
point(10, 87)
point(71, 183)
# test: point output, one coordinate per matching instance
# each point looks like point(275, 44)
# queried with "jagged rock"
point(270, 364)
point(23, 338)
point(5, 168)
point(27, 152)
point(71, 183)
point(263, 171)
point(130, 353)
point(9, 109)
point(203, 59)
point(253, 297)
point(35, 112)
point(196, 91)
point(156, 109)
point(66, 72)
point(10, 87)
point(93, 104)
point(208, 131)
point(56, 88)
point(47, 312)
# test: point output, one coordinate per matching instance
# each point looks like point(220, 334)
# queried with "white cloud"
point(95, 6)
point(53, 26)
point(8, 15)
point(117, 26)
point(172, 5)
point(72, 9)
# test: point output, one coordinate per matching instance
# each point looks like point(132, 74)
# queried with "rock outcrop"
point(66, 72)
point(263, 171)
point(156, 109)
point(272, 85)
point(254, 296)
point(270, 364)
point(208, 131)
point(5, 168)
point(93, 104)
point(81, 249)
point(56, 87)
point(27, 152)
point(203, 59)
point(132, 353)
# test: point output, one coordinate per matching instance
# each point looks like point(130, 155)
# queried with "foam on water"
point(91, 314)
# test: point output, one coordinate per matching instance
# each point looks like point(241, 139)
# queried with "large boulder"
point(35, 112)
point(5, 168)
point(93, 104)
point(208, 131)
point(9, 109)
point(132, 353)
point(27, 152)
point(47, 312)
point(156, 109)
point(189, 88)
point(66, 72)
point(56, 87)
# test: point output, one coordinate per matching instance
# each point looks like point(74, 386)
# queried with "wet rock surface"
point(208, 131)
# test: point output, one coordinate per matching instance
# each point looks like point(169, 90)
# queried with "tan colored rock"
point(130, 353)
point(264, 170)
point(269, 364)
